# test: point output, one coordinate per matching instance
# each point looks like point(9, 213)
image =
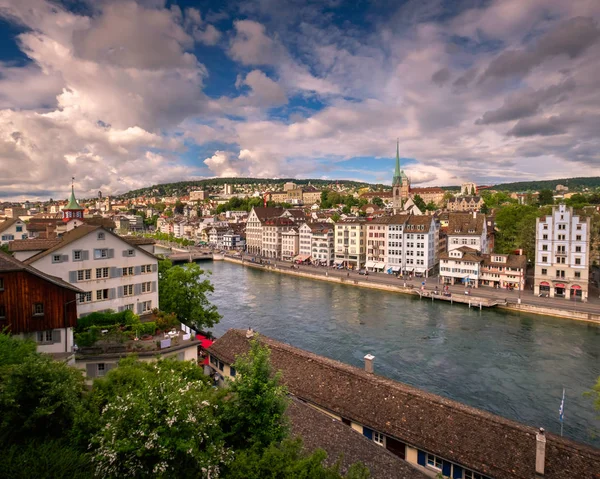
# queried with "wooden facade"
point(21, 291)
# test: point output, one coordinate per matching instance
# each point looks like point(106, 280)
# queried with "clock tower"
point(72, 210)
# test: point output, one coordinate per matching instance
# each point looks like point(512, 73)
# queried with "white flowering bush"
point(165, 428)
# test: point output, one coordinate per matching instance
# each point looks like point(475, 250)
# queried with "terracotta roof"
point(9, 264)
point(107, 223)
point(420, 220)
point(279, 222)
point(32, 244)
point(267, 212)
point(465, 224)
point(8, 223)
point(319, 431)
point(473, 438)
point(513, 261)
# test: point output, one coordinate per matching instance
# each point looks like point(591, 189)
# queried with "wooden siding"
point(21, 290)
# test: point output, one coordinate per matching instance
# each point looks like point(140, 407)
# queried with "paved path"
point(527, 296)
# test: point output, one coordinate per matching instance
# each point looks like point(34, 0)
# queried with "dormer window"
point(101, 236)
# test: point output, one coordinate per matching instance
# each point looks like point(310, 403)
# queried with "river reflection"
point(509, 364)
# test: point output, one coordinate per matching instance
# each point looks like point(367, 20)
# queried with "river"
point(513, 365)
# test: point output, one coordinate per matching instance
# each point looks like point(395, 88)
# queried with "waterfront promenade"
point(589, 311)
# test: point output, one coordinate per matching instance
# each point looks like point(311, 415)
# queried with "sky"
point(122, 94)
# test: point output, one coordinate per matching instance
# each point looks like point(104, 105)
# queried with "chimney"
point(369, 363)
point(540, 452)
point(474, 214)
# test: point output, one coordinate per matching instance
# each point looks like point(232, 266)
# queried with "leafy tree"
point(167, 426)
point(286, 461)
point(39, 397)
point(515, 226)
point(4, 248)
point(346, 210)
point(431, 206)
point(419, 202)
point(485, 209)
point(335, 217)
point(378, 202)
point(254, 414)
point(183, 291)
point(545, 197)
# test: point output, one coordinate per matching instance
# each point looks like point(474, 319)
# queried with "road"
point(527, 296)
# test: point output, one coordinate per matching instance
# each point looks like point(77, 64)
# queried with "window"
point(1, 284)
point(544, 271)
point(545, 227)
point(434, 462)
point(101, 273)
point(577, 260)
point(473, 475)
point(128, 290)
point(544, 259)
point(577, 249)
point(128, 271)
point(101, 236)
point(56, 258)
point(85, 297)
point(578, 238)
point(545, 237)
point(84, 275)
point(578, 274)
point(378, 438)
point(100, 369)
point(544, 247)
point(77, 255)
point(19, 229)
point(146, 287)
point(146, 306)
point(101, 253)
point(101, 294)
point(578, 227)
point(128, 307)
point(44, 336)
point(130, 252)
point(221, 365)
point(232, 371)
point(38, 309)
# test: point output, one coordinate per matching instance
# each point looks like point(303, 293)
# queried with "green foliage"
point(183, 291)
point(595, 395)
point(44, 459)
point(545, 197)
point(14, 351)
point(239, 204)
point(87, 339)
point(378, 202)
point(515, 226)
point(254, 414)
point(5, 249)
point(419, 202)
point(145, 328)
point(332, 199)
point(431, 206)
point(165, 321)
point(170, 238)
point(574, 183)
point(495, 200)
point(335, 217)
point(127, 318)
point(39, 397)
point(286, 461)
point(167, 427)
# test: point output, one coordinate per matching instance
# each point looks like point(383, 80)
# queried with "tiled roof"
point(32, 244)
point(465, 224)
point(430, 190)
point(318, 430)
point(138, 240)
point(9, 264)
point(481, 441)
point(513, 261)
point(420, 220)
point(7, 224)
point(267, 212)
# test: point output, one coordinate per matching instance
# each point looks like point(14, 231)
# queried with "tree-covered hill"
point(573, 184)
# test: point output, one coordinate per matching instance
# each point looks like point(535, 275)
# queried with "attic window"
point(471, 231)
point(101, 236)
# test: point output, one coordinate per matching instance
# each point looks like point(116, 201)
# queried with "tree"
point(431, 206)
point(4, 248)
point(254, 414)
point(545, 197)
point(39, 397)
point(166, 426)
point(183, 291)
point(515, 226)
point(418, 201)
point(335, 217)
point(377, 201)
point(346, 210)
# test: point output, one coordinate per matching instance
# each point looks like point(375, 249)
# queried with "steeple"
point(397, 172)
point(72, 210)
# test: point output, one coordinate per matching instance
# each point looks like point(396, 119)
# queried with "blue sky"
point(123, 93)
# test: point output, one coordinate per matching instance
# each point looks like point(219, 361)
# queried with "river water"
point(513, 365)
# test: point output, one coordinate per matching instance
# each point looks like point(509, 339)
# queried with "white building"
point(289, 244)
point(461, 266)
point(467, 229)
point(254, 227)
point(322, 247)
point(305, 240)
point(114, 274)
point(272, 231)
point(562, 254)
point(216, 234)
point(12, 229)
point(233, 241)
point(351, 243)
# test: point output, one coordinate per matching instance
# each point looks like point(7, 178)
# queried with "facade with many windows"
point(467, 229)
point(562, 254)
point(112, 273)
point(351, 242)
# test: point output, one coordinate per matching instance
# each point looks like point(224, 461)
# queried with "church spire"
point(397, 173)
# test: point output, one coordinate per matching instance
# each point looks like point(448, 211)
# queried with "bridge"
point(190, 256)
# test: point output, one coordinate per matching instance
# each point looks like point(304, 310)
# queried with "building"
point(468, 189)
point(11, 229)
point(289, 244)
point(404, 244)
point(290, 185)
point(254, 227)
point(351, 242)
point(36, 305)
point(467, 229)
point(216, 235)
point(322, 247)
point(461, 265)
point(465, 203)
point(272, 230)
point(72, 211)
point(400, 184)
point(227, 189)
point(114, 274)
point(198, 195)
point(562, 254)
point(305, 241)
point(503, 271)
point(233, 240)
point(433, 195)
point(311, 195)
point(431, 433)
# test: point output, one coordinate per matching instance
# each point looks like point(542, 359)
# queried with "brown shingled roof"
point(513, 261)
point(473, 438)
point(267, 212)
point(8, 223)
point(138, 240)
point(32, 244)
point(465, 224)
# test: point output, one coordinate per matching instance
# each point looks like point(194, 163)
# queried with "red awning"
point(559, 285)
point(575, 286)
point(205, 343)
point(544, 283)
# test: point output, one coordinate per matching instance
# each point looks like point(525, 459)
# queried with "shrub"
point(104, 320)
point(145, 328)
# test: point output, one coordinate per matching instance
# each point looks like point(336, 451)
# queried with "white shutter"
point(72, 276)
point(111, 253)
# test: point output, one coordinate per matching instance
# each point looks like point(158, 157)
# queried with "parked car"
point(363, 272)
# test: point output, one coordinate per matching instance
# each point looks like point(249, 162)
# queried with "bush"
point(104, 320)
point(145, 328)
point(87, 338)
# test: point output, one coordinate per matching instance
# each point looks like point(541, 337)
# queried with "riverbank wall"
point(474, 301)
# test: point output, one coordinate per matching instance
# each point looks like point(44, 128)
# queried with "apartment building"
point(114, 274)
point(461, 265)
point(467, 229)
point(465, 203)
point(289, 244)
point(503, 271)
point(351, 242)
point(305, 240)
point(272, 230)
point(254, 227)
point(322, 245)
point(562, 254)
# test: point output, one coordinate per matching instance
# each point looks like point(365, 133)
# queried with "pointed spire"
point(72, 205)
point(397, 172)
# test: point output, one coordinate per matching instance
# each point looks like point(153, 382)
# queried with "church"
point(400, 185)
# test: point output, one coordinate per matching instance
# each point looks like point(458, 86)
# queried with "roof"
point(398, 219)
point(429, 189)
point(9, 264)
point(100, 221)
point(8, 223)
point(279, 222)
point(377, 194)
point(32, 244)
point(469, 254)
point(476, 439)
point(512, 261)
point(465, 224)
point(72, 204)
point(264, 212)
point(420, 220)
point(319, 431)
point(138, 240)
point(74, 235)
